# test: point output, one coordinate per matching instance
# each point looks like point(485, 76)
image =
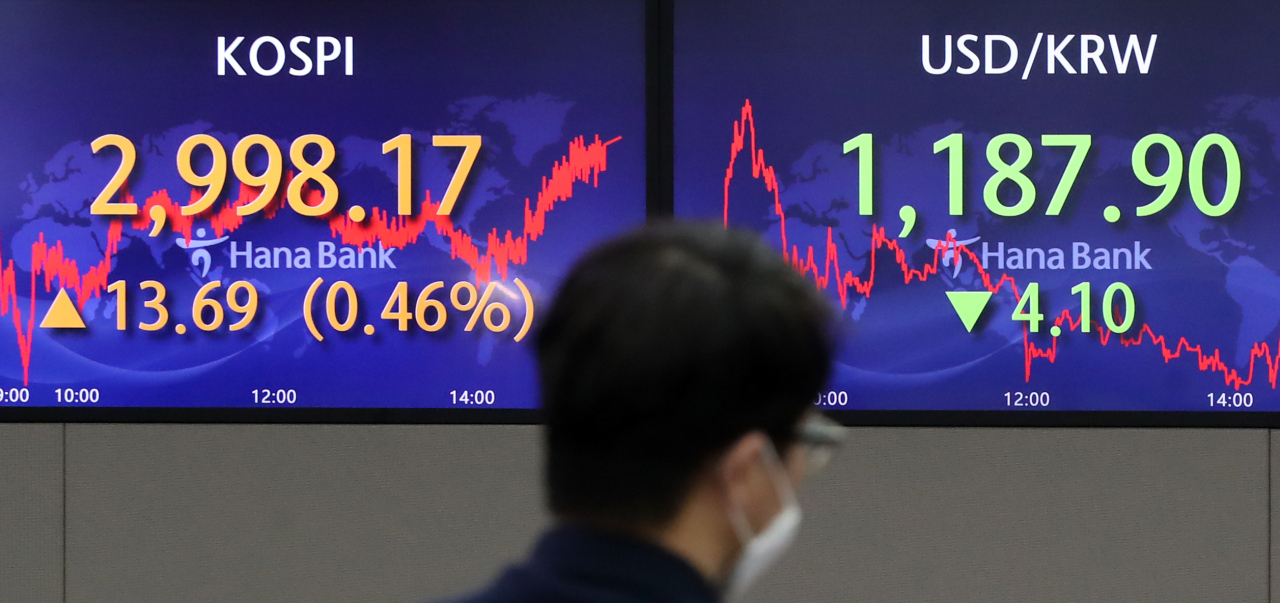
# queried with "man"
point(679, 365)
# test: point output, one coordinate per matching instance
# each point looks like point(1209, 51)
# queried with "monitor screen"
point(1024, 207)
point(303, 204)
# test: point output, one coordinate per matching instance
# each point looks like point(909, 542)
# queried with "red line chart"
point(827, 275)
point(583, 163)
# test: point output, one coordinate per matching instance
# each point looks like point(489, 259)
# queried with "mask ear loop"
point(781, 484)
point(741, 526)
point(781, 480)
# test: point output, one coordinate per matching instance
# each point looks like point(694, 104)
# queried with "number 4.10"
point(1028, 308)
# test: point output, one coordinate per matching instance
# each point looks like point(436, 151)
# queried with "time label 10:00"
point(63, 395)
point(1170, 180)
point(272, 176)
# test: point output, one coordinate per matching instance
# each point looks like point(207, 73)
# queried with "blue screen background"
point(817, 74)
point(530, 77)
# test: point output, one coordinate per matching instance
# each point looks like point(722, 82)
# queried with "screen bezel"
point(659, 205)
point(500, 416)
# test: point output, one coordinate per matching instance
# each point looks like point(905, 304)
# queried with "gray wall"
point(194, 513)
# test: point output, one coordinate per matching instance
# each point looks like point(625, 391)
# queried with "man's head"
point(674, 362)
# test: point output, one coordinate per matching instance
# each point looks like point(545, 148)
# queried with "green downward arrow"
point(969, 305)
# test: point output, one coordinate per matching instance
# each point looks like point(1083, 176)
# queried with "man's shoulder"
point(515, 585)
point(579, 565)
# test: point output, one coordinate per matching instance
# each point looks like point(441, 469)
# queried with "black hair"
point(662, 348)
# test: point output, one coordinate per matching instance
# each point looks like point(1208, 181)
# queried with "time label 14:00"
point(1170, 180)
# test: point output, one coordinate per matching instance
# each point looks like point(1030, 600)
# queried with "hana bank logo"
point(950, 249)
point(201, 259)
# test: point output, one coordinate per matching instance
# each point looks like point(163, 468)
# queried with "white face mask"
point(762, 550)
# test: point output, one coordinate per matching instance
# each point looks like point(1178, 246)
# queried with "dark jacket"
point(578, 565)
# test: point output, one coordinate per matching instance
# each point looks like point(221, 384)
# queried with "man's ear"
point(738, 466)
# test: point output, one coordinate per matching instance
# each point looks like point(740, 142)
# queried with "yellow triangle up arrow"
point(62, 314)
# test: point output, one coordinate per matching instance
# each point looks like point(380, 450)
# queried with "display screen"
point(1024, 207)
point(303, 204)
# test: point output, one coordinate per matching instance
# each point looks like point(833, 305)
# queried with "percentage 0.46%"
point(342, 307)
